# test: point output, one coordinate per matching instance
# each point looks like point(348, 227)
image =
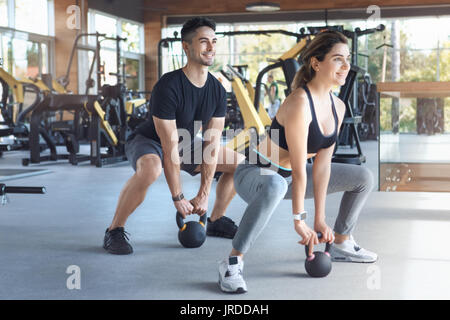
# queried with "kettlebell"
point(319, 264)
point(192, 234)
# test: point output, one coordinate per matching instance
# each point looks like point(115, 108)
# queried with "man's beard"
point(206, 63)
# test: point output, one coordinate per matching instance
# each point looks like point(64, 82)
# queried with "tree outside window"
point(131, 32)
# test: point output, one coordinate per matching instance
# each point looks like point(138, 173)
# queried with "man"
point(273, 96)
point(182, 101)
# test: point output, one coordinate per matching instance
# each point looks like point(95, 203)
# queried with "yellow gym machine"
point(252, 121)
point(258, 119)
point(250, 92)
point(13, 109)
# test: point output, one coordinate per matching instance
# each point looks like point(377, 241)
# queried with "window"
point(22, 57)
point(85, 58)
point(32, 59)
point(131, 31)
point(25, 46)
point(26, 59)
point(113, 26)
point(6, 52)
point(106, 25)
point(132, 73)
point(3, 13)
point(109, 59)
point(44, 58)
point(19, 48)
point(131, 50)
point(31, 16)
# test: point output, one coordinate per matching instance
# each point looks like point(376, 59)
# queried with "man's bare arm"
point(211, 147)
point(168, 134)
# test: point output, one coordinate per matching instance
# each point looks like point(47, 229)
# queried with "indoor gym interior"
point(405, 144)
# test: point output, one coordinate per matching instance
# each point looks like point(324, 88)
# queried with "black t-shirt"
point(174, 97)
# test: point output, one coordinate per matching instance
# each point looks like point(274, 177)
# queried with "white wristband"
point(300, 216)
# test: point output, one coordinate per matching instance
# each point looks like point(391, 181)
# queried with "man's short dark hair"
point(190, 26)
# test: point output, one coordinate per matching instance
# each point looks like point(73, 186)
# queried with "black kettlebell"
point(319, 264)
point(192, 234)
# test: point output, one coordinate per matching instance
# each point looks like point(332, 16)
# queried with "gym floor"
point(42, 235)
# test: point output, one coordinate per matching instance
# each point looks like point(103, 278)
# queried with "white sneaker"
point(350, 251)
point(230, 275)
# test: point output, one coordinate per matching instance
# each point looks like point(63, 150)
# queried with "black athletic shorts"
point(141, 145)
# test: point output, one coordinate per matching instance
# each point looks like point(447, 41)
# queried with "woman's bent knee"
point(274, 186)
point(365, 179)
point(250, 182)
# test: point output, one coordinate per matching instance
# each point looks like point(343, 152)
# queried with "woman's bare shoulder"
point(294, 105)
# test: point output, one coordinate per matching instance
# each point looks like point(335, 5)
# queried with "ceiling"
point(183, 7)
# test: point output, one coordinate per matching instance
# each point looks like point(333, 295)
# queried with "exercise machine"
point(368, 109)
point(15, 113)
point(100, 121)
point(251, 117)
point(103, 120)
point(349, 93)
point(349, 129)
point(262, 113)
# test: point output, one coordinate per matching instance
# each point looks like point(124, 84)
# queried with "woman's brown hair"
point(318, 47)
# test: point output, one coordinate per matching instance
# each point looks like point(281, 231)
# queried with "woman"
point(308, 123)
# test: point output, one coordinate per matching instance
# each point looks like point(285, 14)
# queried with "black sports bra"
point(316, 140)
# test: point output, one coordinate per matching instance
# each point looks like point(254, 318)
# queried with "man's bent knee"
point(148, 168)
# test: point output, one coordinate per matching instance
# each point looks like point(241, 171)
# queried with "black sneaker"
point(116, 241)
point(223, 227)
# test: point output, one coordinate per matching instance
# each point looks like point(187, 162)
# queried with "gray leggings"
point(263, 192)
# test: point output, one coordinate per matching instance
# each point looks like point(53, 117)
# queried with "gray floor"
point(42, 235)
